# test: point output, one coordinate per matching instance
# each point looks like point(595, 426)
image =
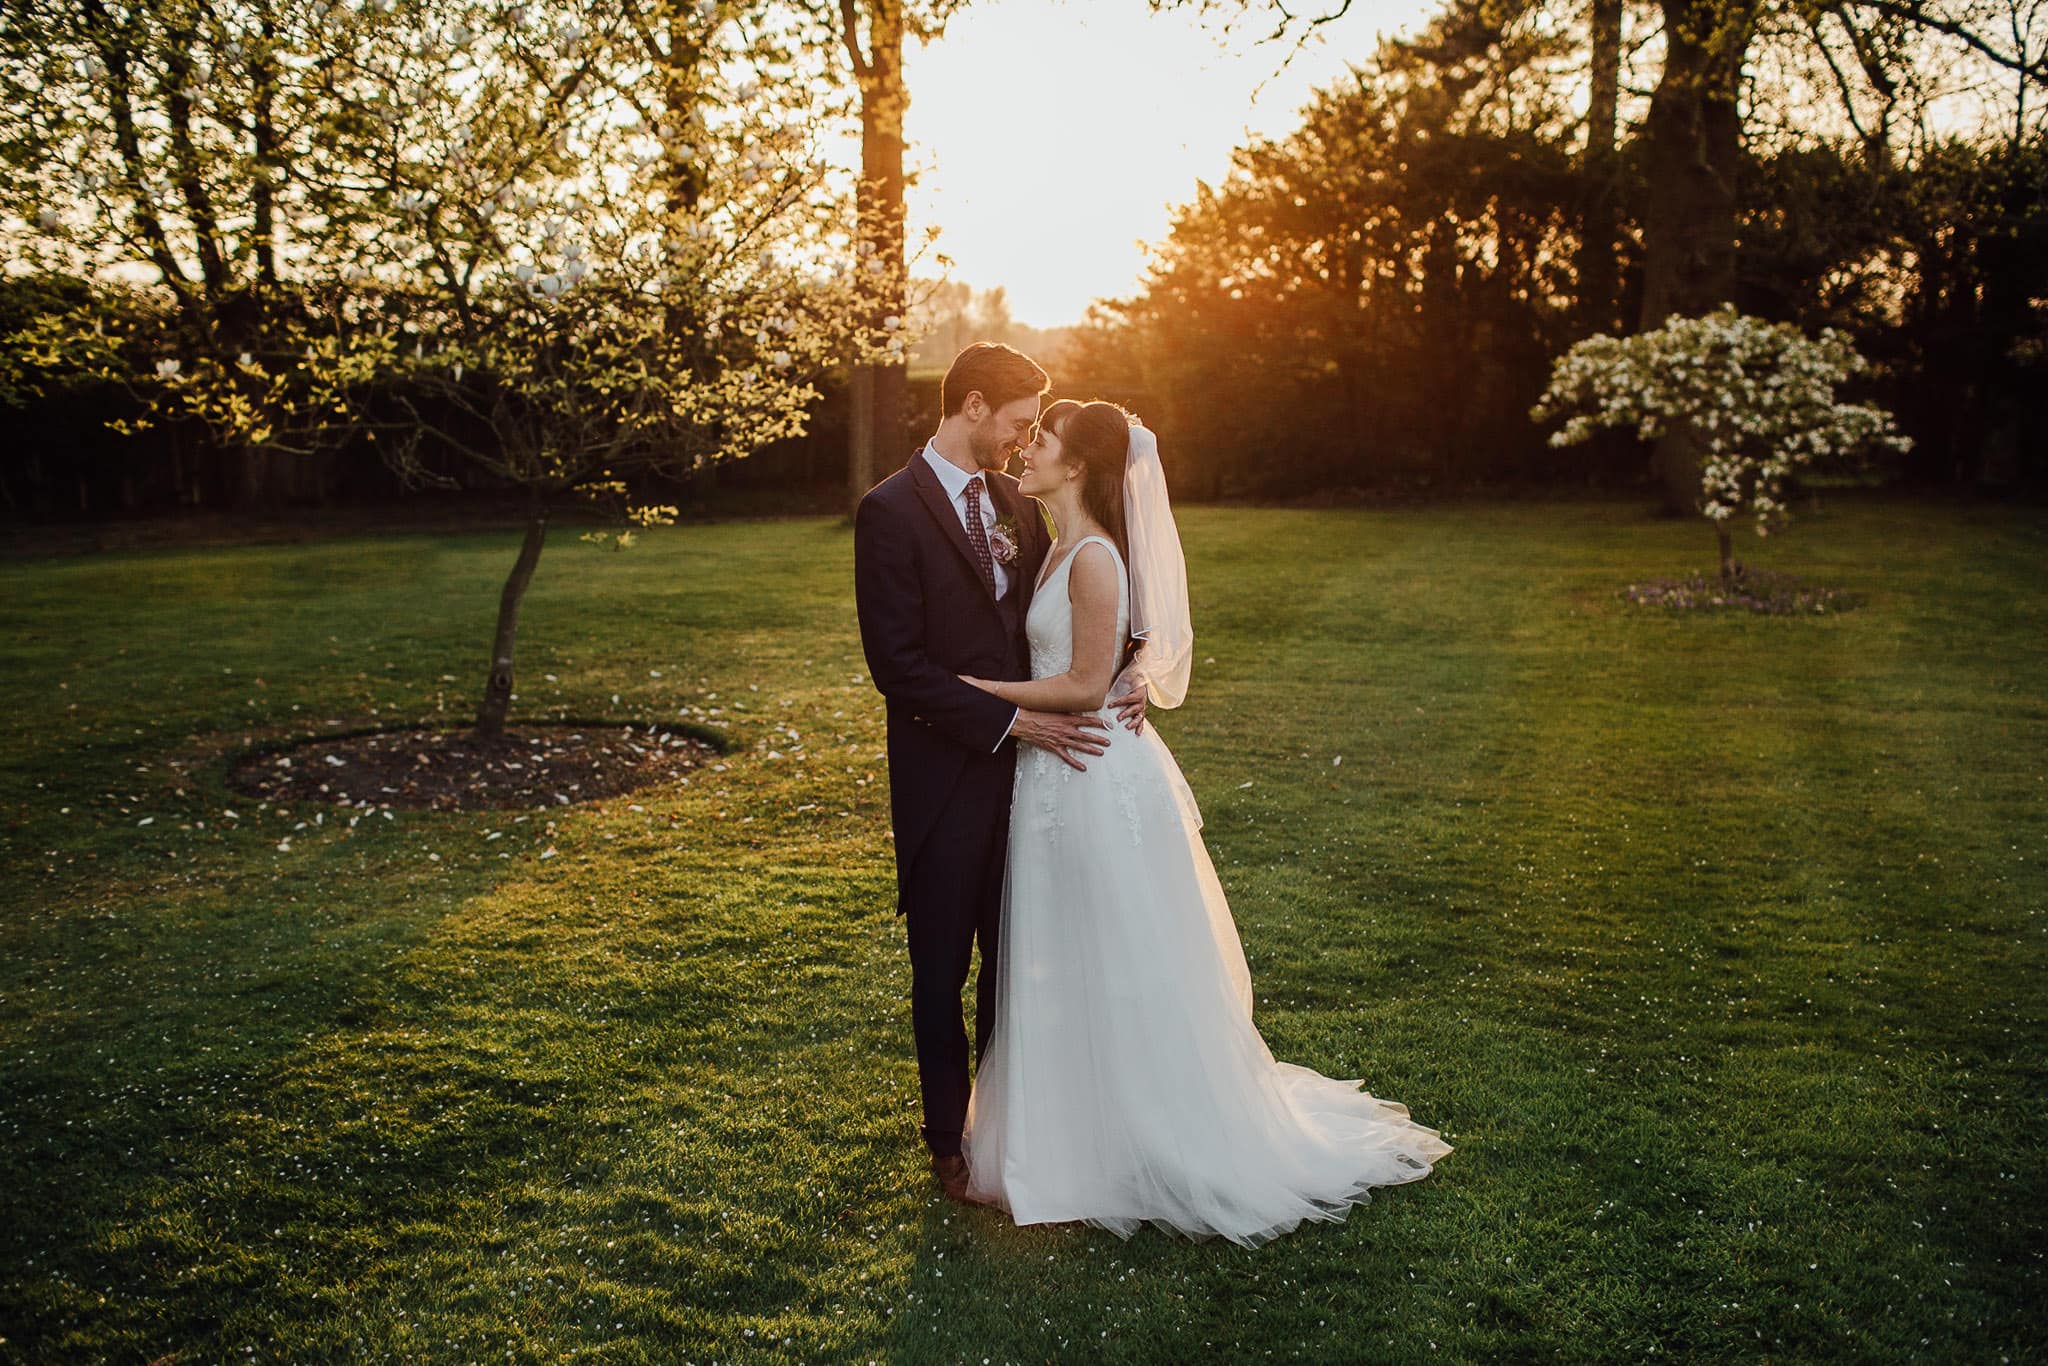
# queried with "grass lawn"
point(1714, 944)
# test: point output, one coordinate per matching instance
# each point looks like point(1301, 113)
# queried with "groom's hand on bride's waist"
point(1062, 734)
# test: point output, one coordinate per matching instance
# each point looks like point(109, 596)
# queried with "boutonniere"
point(1003, 540)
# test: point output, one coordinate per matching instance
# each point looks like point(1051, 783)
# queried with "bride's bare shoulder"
point(1094, 573)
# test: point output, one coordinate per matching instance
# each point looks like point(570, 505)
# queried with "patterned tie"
point(977, 537)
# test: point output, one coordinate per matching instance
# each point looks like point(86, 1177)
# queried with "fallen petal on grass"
point(1762, 591)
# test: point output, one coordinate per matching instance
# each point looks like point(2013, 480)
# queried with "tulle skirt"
point(1125, 1082)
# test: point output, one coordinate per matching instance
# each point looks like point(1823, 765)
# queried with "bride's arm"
point(1092, 589)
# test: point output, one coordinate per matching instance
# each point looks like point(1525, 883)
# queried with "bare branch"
point(1827, 54)
point(1915, 12)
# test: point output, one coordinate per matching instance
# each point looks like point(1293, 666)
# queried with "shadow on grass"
point(153, 1097)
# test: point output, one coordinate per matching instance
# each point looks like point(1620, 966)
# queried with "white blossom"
point(1758, 398)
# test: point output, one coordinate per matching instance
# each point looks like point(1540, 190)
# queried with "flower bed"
point(1773, 594)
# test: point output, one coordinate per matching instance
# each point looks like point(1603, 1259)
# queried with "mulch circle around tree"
point(1755, 590)
point(451, 770)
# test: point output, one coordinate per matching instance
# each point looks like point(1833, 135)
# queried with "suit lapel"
point(933, 495)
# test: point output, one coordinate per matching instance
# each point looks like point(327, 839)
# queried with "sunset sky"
point(1054, 135)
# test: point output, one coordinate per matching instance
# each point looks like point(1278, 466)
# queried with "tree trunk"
point(891, 402)
point(490, 717)
point(1600, 227)
point(860, 434)
point(1695, 143)
point(1726, 539)
point(882, 390)
point(253, 491)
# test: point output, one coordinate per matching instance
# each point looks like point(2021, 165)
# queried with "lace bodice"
point(1049, 626)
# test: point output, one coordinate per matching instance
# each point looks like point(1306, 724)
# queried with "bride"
point(1125, 1081)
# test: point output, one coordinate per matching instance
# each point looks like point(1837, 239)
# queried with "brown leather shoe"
point(952, 1174)
point(954, 1179)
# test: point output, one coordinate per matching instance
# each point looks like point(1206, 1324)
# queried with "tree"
point(1757, 398)
point(594, 242)
point(1703, 104)
point(880, 387)
point(175, 135)
point(1695, 133)
point(1599, 283)
point(940, 320)
point(1967, 335)
point(1374, 297)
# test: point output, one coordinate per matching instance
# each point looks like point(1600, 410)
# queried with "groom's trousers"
point(952, 898)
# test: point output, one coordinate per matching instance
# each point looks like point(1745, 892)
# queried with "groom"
point(946, 553)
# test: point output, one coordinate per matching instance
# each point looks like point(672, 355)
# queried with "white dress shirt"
point(955, 481)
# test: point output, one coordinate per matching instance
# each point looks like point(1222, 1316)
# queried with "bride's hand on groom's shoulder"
point(982, 683)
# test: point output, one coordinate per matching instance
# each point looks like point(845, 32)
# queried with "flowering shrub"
point(1756, 398)
point(57, 338)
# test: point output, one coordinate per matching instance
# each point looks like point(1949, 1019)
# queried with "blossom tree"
point(570, 243)
point(1758, 398)
point(594, 240)
point(157, 149)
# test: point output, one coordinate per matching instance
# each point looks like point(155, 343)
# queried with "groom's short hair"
point(1000, 374)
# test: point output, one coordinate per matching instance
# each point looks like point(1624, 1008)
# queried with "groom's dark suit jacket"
point(927, 616)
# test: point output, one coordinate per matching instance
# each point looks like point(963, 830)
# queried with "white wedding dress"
point(1124, 1081)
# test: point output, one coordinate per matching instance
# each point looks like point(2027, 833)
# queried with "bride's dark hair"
point(1097, 437)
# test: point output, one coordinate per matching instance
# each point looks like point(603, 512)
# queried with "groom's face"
point(1002, 431)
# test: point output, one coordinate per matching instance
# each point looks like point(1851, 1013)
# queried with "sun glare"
point(1053, 139)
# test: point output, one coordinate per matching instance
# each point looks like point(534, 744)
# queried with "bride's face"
point(1044, 470)
point(999, 432)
